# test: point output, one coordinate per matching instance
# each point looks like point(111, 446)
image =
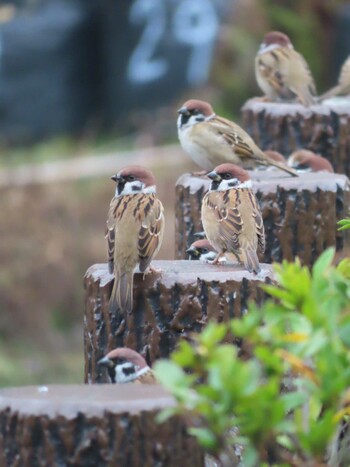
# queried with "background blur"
point(86, 87)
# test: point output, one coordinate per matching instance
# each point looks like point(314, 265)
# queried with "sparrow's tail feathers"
point(305, 97)
point(251, 261)
point(335, 91)
point(122, 293)
point(282, 166)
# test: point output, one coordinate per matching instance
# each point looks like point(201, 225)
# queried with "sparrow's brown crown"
point(128, 355)
point(135, 172)
point(276, 37)
point(235, 171)
point(304, 159)
point(201, 107)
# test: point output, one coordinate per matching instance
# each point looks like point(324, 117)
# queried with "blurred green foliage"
point(284, 388)
point(344, 224)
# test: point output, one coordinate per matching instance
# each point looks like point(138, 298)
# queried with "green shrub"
point(284, 387)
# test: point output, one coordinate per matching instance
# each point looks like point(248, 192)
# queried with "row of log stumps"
point(299, 213)
point(115, 425)
point(323, 128)
point(90, 426)
point(168, 306)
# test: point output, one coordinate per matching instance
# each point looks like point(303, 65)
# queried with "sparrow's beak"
point(214, 176)
point(117, 178)
point(105, 361)
point(193, 252)
point(183, 111)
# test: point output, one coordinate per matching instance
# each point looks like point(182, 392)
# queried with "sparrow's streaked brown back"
point(135, 227)
point(231, 216)
point(281, 72)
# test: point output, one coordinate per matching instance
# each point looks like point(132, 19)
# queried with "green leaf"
point(206, 437)
point(323, 263)
point(170, 374)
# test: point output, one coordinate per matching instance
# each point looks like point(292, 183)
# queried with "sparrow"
point(307, 161)
point(202, 250)
point(211, 140)
point(281, 72)
point(343, 86)
point(124, 365)
point(231, 216)
point(135, 227)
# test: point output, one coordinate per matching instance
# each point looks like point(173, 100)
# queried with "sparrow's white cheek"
point(233, 183)
point(205, 257)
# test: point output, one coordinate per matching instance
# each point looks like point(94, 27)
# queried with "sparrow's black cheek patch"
point(200, 119)
point(136, 188)
point(215, 185)
point(184, 119)
point(129, 370)
point(121, 186)
point(111, 374)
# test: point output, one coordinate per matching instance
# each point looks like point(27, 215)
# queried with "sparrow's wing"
point(151, 231)
point(238, 139)
point(110, 233)
point(240, 220)
point(259, 224)
point(288, 73)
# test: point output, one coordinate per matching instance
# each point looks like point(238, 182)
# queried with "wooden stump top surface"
point(268, 180)
point(187, 272)
point(338, 105)
point(91, 400)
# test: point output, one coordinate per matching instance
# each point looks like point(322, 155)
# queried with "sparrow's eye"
point(195, 112)
point(204, 250)
point(130, 178)
point(227, 176)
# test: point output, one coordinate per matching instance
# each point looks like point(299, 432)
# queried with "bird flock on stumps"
point(233, 228)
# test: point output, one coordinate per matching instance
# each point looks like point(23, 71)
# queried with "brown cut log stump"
point(90, 426)
point(168, 306)
point(299, 213)
point(284, 127)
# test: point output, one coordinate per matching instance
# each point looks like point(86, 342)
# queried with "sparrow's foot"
point(217, 258)
point(151, 270)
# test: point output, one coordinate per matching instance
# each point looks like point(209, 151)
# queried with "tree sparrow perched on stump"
point(281, 72)
point(124, 365)
point(135, 227)
point(231, 216)
point(211, 140)
point(307, 161)
point(343, 86)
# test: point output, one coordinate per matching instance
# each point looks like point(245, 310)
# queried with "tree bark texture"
point(299, 213)
point(323, 128)
point(168, 306)
point(92, 425)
